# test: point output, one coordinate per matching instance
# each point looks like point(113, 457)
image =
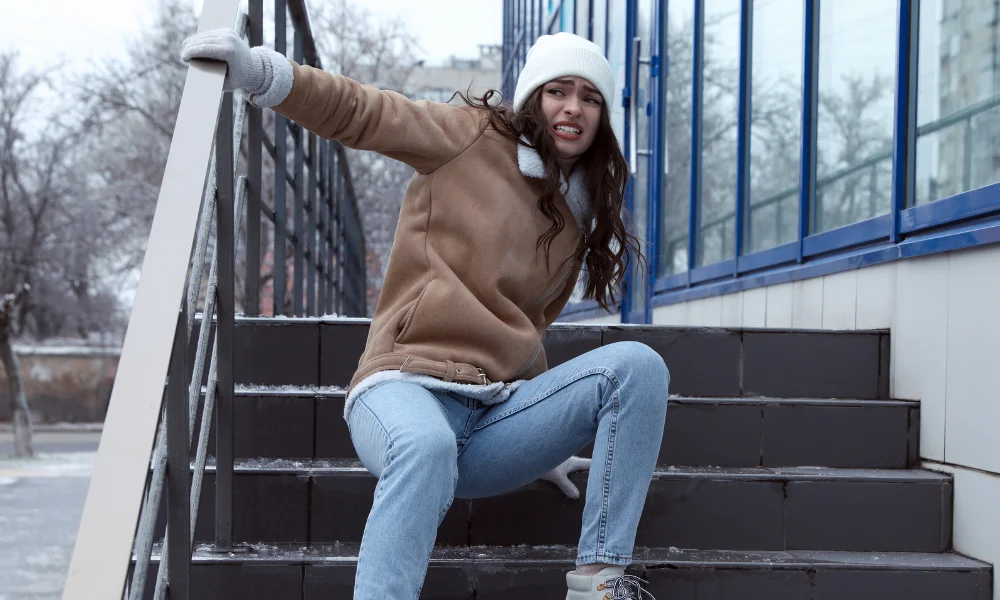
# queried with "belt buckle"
point(482, 374)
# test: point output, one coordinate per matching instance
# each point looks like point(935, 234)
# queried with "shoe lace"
point(628, 587)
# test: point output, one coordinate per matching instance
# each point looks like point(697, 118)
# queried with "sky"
point(71, 33)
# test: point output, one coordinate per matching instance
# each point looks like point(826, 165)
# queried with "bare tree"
point(51, 240)
point(20, 414)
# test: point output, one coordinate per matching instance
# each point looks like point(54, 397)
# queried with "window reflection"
point(676, 195)
point(958, 98)
point(857, 57)
point(719, 130)
point(776, 124)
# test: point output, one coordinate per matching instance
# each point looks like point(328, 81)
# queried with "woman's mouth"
point(567, 131)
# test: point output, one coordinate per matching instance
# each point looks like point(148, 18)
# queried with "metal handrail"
point(103, 548)
point(121, 509)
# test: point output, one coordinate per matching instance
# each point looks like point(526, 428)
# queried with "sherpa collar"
point(577, 196)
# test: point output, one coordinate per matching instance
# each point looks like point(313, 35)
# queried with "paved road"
point(40, 504)
point(53, 441)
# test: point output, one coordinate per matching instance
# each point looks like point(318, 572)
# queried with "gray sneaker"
point(611, 583)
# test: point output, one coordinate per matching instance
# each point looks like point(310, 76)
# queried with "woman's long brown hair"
point(610, 247)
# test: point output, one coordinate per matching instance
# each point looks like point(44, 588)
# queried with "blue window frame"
point(929, 182)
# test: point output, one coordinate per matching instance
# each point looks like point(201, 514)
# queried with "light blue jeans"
point(428, 448)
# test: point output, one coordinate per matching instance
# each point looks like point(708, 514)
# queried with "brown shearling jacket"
point(466, 296)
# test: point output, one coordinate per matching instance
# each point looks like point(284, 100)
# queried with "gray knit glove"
point(263, 74)
point(560, 475)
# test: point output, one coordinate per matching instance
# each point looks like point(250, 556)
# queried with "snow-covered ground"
point(41, 500)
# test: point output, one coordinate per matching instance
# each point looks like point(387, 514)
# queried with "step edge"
point(336, 392)
point(769, 560)
point(351, 467)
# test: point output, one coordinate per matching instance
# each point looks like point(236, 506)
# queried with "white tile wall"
point(779, 305)
point(807, 304)
point(672, 314)
point(711, 313)
point(694, 310)
point(876, 296)
point(977, 521)
point(840, 299)
point(919, 342)
point(732, 310)
point(973, 360)
point(755, 307)
point(614, 319)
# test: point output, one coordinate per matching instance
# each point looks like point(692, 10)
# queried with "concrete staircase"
point(786, 472)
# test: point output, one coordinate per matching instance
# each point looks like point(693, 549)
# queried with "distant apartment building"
point(472, 76)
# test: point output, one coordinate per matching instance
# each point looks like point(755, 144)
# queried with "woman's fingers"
point(217, 44)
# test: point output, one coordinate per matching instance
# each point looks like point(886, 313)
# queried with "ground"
point(40, 504)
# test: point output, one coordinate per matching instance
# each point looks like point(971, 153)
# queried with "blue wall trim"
point(982, 201)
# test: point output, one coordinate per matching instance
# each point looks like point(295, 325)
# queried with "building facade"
point(818, 165)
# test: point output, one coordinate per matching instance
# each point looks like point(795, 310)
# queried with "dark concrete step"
point(712, 362)
point(487, 573)
point(302, 422)
point(703, 508)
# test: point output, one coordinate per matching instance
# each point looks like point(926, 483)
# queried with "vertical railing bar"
point(320, 232)
point(279, 268)
point(338, 248)
point(298, 270)
point(743, 141)
point(178, 562)
point(224, 331)
point(251, 304)
point(698, 81)
point(808, 200)
point(332, 260)
point(310, 272)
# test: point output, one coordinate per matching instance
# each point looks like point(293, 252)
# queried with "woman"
point(453, 396)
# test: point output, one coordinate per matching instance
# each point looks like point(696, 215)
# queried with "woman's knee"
point(636, 358)
point(433, 446)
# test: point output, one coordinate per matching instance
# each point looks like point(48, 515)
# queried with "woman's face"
point(572, 107)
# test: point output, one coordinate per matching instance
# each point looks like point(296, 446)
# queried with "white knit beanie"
point(563, 55)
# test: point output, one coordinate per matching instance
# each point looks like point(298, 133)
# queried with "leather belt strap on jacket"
point(446, 370)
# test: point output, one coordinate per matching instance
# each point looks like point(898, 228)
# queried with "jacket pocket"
point(554, 289)
point(407, 320)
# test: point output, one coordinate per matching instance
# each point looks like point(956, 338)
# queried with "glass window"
point(567, 16)
point(675, 204)
point(775, 124)
point(857, 60)
point(616, 56)
point(958, 99)
point(720, 105)
point(601, 24)
point(582, 18)
point(640, 137)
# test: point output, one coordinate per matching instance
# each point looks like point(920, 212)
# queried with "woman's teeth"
point(568, 129)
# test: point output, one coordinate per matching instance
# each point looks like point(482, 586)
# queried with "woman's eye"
point(555, 91)
point(594, 100)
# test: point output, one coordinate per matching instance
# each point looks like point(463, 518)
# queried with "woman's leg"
point(615, 396)
point(403, 436)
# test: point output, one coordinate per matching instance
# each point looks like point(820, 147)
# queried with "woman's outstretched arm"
point(424, 135)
